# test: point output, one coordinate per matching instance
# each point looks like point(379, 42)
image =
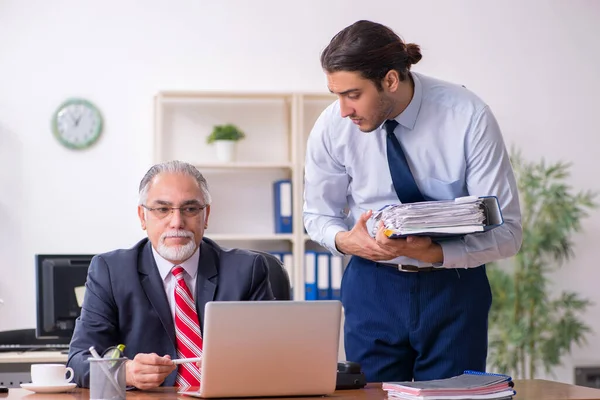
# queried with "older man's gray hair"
point(173, 167)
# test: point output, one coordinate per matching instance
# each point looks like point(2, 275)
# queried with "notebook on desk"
point(469, 385)
point(269, 348)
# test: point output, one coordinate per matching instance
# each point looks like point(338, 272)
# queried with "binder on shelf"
point(288, 263)
point(282, 205)
point(337, 270)
point(287, 260)
point(277, 255)
point(310, 275)
point(323, 276)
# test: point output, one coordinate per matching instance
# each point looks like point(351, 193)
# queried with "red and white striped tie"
point(187, 331)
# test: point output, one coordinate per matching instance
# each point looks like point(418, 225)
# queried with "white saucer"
point(63, 387)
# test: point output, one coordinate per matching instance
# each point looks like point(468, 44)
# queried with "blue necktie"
point(404, 182)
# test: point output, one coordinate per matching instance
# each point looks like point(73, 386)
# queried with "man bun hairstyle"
point(371, 49)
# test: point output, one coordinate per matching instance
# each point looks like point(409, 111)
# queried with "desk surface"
point(31, 357)
point(526, 390)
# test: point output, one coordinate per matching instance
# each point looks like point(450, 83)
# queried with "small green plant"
point(225, 132)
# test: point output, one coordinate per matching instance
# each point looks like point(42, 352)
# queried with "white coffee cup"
point(50, 374)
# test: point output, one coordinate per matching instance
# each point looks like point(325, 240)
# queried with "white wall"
point(535, 62)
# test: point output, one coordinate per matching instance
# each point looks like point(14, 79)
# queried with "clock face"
point(77, 123)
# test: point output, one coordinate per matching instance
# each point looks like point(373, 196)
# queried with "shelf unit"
point(277, 126)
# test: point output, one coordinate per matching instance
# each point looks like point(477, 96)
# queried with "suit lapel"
point(206, 281)
point(155, 290)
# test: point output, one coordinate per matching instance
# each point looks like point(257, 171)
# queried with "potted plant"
point(225, 138)
point(530, 326)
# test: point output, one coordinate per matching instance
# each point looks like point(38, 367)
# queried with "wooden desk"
point(526, 390)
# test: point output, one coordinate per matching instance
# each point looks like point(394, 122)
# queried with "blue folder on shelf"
point(336, 264)
point(310, 276)
point(323, 276)
point(488, 206)
point(282, 206)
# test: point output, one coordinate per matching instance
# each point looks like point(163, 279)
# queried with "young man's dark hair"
point(371, 49)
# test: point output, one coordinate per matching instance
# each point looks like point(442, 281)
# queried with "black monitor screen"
point(60, 287)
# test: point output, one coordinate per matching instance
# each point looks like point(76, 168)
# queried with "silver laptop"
point(269, 348)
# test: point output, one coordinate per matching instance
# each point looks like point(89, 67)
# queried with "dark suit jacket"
point(125, 300)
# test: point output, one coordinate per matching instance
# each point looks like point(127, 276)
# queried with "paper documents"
point(469, 385)
point(439, 218)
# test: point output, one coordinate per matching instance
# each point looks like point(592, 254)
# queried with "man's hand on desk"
point(147, 371)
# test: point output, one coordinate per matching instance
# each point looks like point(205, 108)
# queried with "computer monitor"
point(60, 281)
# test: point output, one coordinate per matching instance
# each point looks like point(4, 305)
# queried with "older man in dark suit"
point(151, 297)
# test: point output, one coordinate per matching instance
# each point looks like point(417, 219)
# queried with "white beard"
point(177, 253)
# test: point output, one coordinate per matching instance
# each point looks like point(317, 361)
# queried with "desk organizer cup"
point(51, 374)
point(107, 378)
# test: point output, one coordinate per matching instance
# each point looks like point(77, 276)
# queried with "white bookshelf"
point(244, 165)
point(253, 237)
point(276, 127)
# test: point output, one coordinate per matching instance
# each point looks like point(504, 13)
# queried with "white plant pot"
point(225, 150)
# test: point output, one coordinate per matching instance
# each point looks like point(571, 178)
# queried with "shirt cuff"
point(329, 239)
point(454, 253)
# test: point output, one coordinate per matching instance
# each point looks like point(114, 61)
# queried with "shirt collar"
point(164, 266)
point(408, 117)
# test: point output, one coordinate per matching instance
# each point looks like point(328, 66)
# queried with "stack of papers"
point(470, 385)
point(435, 218)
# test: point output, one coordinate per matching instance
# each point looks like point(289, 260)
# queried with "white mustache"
point(179, 233)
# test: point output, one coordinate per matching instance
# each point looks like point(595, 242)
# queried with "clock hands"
point(76, 120)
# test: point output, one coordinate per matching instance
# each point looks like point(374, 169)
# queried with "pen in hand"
point(187, 360)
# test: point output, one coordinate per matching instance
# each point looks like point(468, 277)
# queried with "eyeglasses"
point(186, 211)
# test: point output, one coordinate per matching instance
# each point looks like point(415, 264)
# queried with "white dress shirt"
point(191, 272)
point(454, 148)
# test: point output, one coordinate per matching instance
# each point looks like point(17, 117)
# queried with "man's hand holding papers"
point(433, 218)
point(420, 248)
point(359, 242)
point(413, 230)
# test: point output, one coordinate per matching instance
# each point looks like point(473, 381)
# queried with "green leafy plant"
point(529, 327)
point(225, 132)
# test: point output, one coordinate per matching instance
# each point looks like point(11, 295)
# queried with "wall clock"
point(77, 123)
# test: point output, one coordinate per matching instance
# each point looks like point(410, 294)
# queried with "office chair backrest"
point(278, 276)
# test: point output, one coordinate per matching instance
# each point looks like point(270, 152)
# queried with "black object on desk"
point(26, 340)
point(3, 389)
point(34, 347)
point(350, 376)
